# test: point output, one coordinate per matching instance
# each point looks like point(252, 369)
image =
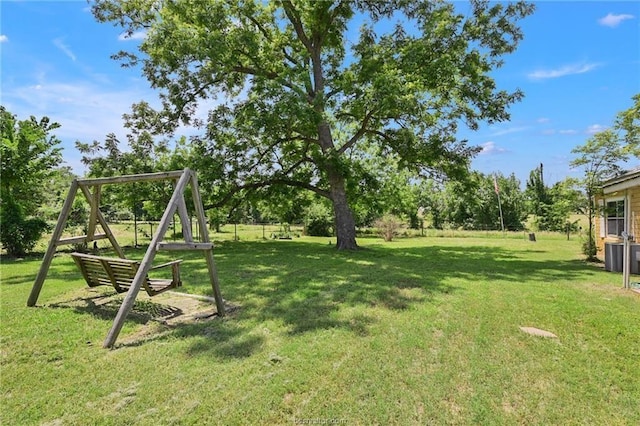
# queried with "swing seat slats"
point(119, 273)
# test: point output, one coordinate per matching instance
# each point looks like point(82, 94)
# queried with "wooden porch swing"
point(129, 275)
point(119, 273)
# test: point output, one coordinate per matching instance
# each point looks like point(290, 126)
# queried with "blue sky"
point(579, 65)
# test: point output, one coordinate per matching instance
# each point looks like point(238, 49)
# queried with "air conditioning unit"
point(613, 254)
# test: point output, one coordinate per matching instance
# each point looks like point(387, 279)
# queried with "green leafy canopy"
point(297, 91)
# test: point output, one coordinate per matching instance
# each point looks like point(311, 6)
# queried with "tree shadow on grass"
point(28, 269)
point(307, 286)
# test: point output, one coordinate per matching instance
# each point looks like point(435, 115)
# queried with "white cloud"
point(3, 38)
point(543, 120)
point(613, 21)
point(86, 110)
point(562, 71)
point(509, 130)
point(595, 128)
point(65, 49)
point(548, 132)
point(490, 147)
point(138, 35)
point(568, 132)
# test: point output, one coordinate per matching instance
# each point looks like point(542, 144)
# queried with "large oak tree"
point(299, 85)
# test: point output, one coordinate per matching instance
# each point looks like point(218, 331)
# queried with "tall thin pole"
point(495, 186)
point(626, 258)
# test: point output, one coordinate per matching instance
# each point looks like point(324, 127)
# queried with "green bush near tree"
point(318, 221)
point(28, 154)
point(18, 233)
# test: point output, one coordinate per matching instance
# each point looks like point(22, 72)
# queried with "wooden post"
point(53, 243)
point(213, 273)
point(215, 283)
point(103, 223)
point(185, 220)
point(145, 264)
point(93, 216)
point(626, 260)
point(135, 223)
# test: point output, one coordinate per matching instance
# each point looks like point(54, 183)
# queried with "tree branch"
point(183, 102)
point(257, 185)
point(293, 16)
point(334, 14)
point(379, 133)
point(359, 134)
point(290, 58)
point(269, 75)
point(264, 32)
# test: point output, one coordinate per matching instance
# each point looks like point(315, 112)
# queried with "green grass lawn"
point(416, 331)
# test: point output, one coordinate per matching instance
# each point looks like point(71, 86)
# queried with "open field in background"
point(124, 232)
point(416, 331)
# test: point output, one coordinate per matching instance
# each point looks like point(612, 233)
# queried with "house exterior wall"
point(632, 217)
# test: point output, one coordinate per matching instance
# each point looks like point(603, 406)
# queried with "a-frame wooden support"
point(176, 204)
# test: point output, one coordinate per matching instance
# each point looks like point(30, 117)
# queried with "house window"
point(615, 217)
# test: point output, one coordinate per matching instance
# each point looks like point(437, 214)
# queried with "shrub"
point(589, 247)
point(318, 221)
point(18, 234)
point(388, 226)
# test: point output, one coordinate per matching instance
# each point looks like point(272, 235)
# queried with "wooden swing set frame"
point(138, 272)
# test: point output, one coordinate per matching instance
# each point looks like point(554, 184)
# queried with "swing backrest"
point(119, 273)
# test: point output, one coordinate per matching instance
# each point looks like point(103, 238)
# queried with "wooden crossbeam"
point(144, 177)
point(80, 239)
point(184, 246)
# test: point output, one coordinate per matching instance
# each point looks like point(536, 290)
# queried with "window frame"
point(619, 220)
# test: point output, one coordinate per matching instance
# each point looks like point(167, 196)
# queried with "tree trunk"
point(345, 224)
